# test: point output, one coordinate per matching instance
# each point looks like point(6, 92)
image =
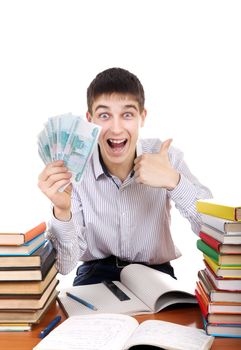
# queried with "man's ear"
point(143, 117)
point(88, 116)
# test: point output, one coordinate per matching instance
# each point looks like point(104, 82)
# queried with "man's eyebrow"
point(100, 106)
point(131, 106)
point(107, 107)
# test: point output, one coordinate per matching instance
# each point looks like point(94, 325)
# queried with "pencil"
point(81, 301)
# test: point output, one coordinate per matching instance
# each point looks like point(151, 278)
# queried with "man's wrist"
point(176, 180)
point(62, 215)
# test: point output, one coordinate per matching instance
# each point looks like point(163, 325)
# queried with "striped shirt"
point(125, 219)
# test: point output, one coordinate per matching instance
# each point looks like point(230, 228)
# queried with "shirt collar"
point(99, 166)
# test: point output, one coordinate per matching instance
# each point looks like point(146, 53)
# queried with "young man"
point(120, 213)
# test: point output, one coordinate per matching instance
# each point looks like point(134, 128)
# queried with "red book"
point(218, 246)
point(201, 304)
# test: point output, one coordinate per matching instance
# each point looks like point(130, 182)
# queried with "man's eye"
point(128, 115)
point(103, 116)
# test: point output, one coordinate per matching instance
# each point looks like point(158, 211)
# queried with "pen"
point(81, 301)
point(50, 326)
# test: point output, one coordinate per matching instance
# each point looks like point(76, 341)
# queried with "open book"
point(149, 291)
point(122, 332)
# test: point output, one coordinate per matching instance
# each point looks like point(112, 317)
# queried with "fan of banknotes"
point(69, 138)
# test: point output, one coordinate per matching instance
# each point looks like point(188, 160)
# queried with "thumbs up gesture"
point(155, 169)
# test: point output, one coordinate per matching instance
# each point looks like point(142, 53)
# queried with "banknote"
point(66, 124)
point(80, 146)
point(70, 138)
point(44, 147)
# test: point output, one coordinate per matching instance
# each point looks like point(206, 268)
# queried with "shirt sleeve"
point(187, 192)
point(68, 237)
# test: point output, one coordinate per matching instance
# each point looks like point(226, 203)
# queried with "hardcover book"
point(26, 315)
point(25, 249)
point(45, 252)
point(223, 330)
point(223, 225)
point(231, 284)
point(220, 247)
point(27, 274)
point(27, 287)
point(27, 303)
point(19, 238)
point(220, 209)
point(224, 318)
point(215, 307)
point(220, 236)
point(215, 294)
point(233, 271)
point(219, 258)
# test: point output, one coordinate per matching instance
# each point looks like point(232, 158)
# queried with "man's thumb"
point(164, 147)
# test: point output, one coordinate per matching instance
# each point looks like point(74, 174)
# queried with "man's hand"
point(55, 176)
point(155, 169)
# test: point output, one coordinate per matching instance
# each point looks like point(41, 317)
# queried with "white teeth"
point(117, 141)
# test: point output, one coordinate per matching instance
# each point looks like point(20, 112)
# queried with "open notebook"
point(149, 291)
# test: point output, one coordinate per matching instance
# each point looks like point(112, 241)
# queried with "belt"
point(114, 260)
point(119, 263)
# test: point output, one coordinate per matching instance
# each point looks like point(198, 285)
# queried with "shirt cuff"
point(185, 193)
point(61, 230)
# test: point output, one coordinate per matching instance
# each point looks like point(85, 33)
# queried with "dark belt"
point(114, 260)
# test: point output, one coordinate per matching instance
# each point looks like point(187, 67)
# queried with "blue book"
point(228, 330)
point(46, 255)
point(27, 248)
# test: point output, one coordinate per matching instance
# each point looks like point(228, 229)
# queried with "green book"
point(220, 259)
point(206, 249)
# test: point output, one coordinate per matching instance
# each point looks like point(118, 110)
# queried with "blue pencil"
point(81, 301)
point(49, 328)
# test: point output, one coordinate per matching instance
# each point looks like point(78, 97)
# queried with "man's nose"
point(116, 125)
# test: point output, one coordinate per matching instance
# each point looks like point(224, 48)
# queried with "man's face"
point(120, 119)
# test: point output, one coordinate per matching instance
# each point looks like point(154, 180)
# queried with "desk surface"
point(189, 315)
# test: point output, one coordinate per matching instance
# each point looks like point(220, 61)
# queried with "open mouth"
point(117, 145)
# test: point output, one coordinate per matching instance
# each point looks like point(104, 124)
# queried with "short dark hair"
point(115, 80)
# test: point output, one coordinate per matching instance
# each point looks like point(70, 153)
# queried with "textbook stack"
point(27, 278)
point(218, 289)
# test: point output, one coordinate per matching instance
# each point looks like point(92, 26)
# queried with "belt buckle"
point(118, 264)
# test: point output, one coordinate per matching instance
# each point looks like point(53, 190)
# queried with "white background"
point(187, 54)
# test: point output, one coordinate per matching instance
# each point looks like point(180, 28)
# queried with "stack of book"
point(27, 278)
point(218, 289)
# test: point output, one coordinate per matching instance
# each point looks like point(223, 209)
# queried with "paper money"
point(69, 138)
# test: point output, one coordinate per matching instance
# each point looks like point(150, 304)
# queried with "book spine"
point(203, 247)
point(35, 232)
point(218, 210)
point(201, 304)
point(212, 265)
point(205, 281)
point(46, 251)
point(212, 242)
point(47, 265)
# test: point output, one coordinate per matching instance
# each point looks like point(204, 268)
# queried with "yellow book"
point(15, 327)
point(223, 271)
point(219, 209)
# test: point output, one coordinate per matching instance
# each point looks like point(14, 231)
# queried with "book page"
point(99, 332)
point(150, 285)
point(102, 298)
point(169, 335)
